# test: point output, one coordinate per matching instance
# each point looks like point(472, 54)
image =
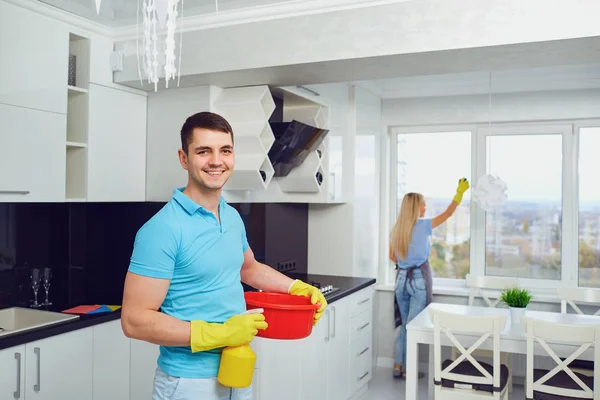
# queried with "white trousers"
point(168, 387)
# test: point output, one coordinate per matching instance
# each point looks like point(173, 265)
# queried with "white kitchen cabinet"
point(333, 363)
point(338, 359)
point(59, 367)
point(314, 382)
point(142, 369)
point(33, 64)
point(33, 162)
point(12, 377)
point(276, 379)
point(167, 112)
point(361, 338)
point(110, 362)
point(116, 145)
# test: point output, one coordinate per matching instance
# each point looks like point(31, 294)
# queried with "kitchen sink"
point(20, 319)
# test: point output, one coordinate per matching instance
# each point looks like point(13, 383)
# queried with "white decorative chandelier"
point(490, 192)
point(162, 13)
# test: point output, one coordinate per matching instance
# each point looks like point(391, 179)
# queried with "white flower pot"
point(515, 315)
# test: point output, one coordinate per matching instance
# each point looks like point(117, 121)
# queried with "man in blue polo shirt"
point(183, 289)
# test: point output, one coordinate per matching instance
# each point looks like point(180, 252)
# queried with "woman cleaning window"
point(409, 249)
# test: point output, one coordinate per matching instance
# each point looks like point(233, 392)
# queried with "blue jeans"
point(410, 302)
point(168, 387)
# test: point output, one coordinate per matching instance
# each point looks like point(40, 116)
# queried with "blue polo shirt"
point(420, 245)
point(183, 242)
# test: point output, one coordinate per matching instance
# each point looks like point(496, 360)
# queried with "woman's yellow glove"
point(236, 331)
point(463, 186)
point(299, 288)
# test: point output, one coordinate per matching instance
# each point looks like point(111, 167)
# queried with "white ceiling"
point(120, 13)
point(559, 65)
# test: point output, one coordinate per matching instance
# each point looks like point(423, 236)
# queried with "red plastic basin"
point(289, 317)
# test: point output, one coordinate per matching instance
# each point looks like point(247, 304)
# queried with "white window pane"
point(523, 237)
point(432, 164)
point(589, 207)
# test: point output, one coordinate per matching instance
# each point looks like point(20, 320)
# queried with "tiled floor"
point(384, 387)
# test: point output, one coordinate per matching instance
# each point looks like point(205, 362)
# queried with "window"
point(589, 207)
point(547, 232)
point(523, 237)
point(431, 163)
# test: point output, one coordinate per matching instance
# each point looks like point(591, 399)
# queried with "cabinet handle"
point(360, 378)
point(36, 350)
point(334, 318)
point(328, 325)
point(17, 394)
point(363, 301)
point(14, 192)
point(363, 326)
point(363, 351)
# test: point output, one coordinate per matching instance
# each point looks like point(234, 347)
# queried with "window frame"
point(589, 123)
point(568, 129)
point(520, 129)
point(394, 131)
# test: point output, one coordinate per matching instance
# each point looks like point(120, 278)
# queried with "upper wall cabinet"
point(32, 165)
point(116, 145)
point(34, 54)
point(167, 111)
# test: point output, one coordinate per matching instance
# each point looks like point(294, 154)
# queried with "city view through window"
point(523, 238)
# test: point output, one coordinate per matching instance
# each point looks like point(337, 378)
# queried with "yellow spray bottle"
point(237, 363)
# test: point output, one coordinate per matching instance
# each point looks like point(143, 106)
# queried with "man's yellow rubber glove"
point(463, 186)
point(236, 331)
point(299, 288)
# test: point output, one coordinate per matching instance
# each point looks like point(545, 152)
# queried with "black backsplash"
point(88, 246)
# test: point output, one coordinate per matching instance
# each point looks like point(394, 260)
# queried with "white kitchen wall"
point(506, 107)
point(343, 239)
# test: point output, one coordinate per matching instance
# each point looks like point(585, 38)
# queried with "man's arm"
point(263, 277)
point(140, 318)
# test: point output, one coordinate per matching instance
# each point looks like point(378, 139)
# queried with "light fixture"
point(158, 14)
point(489, 192)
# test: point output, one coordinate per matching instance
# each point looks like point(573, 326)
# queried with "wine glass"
point(46, 278)
point(35, 285)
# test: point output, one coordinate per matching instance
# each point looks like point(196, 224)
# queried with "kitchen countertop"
point(84, 321)
point(347, 285)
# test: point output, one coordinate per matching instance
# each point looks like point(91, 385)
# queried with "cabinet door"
point(142, 369)
point(33, 61)
point(12, 378)
point(111, 362)
point(116, 145)
point(338, 356)
point(314, 361)
point(60, 367)
point(279, 369)
point(33, 161)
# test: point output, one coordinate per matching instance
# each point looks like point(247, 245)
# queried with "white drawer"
point(362, 369)
point(361, 301)
point(360, 326)
point(361, 346)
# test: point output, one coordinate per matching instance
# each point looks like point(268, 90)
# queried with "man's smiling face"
point(209, 160)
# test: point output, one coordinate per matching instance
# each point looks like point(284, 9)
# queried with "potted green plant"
point(517, 300)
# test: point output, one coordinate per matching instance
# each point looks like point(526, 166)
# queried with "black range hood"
point(294, 141)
